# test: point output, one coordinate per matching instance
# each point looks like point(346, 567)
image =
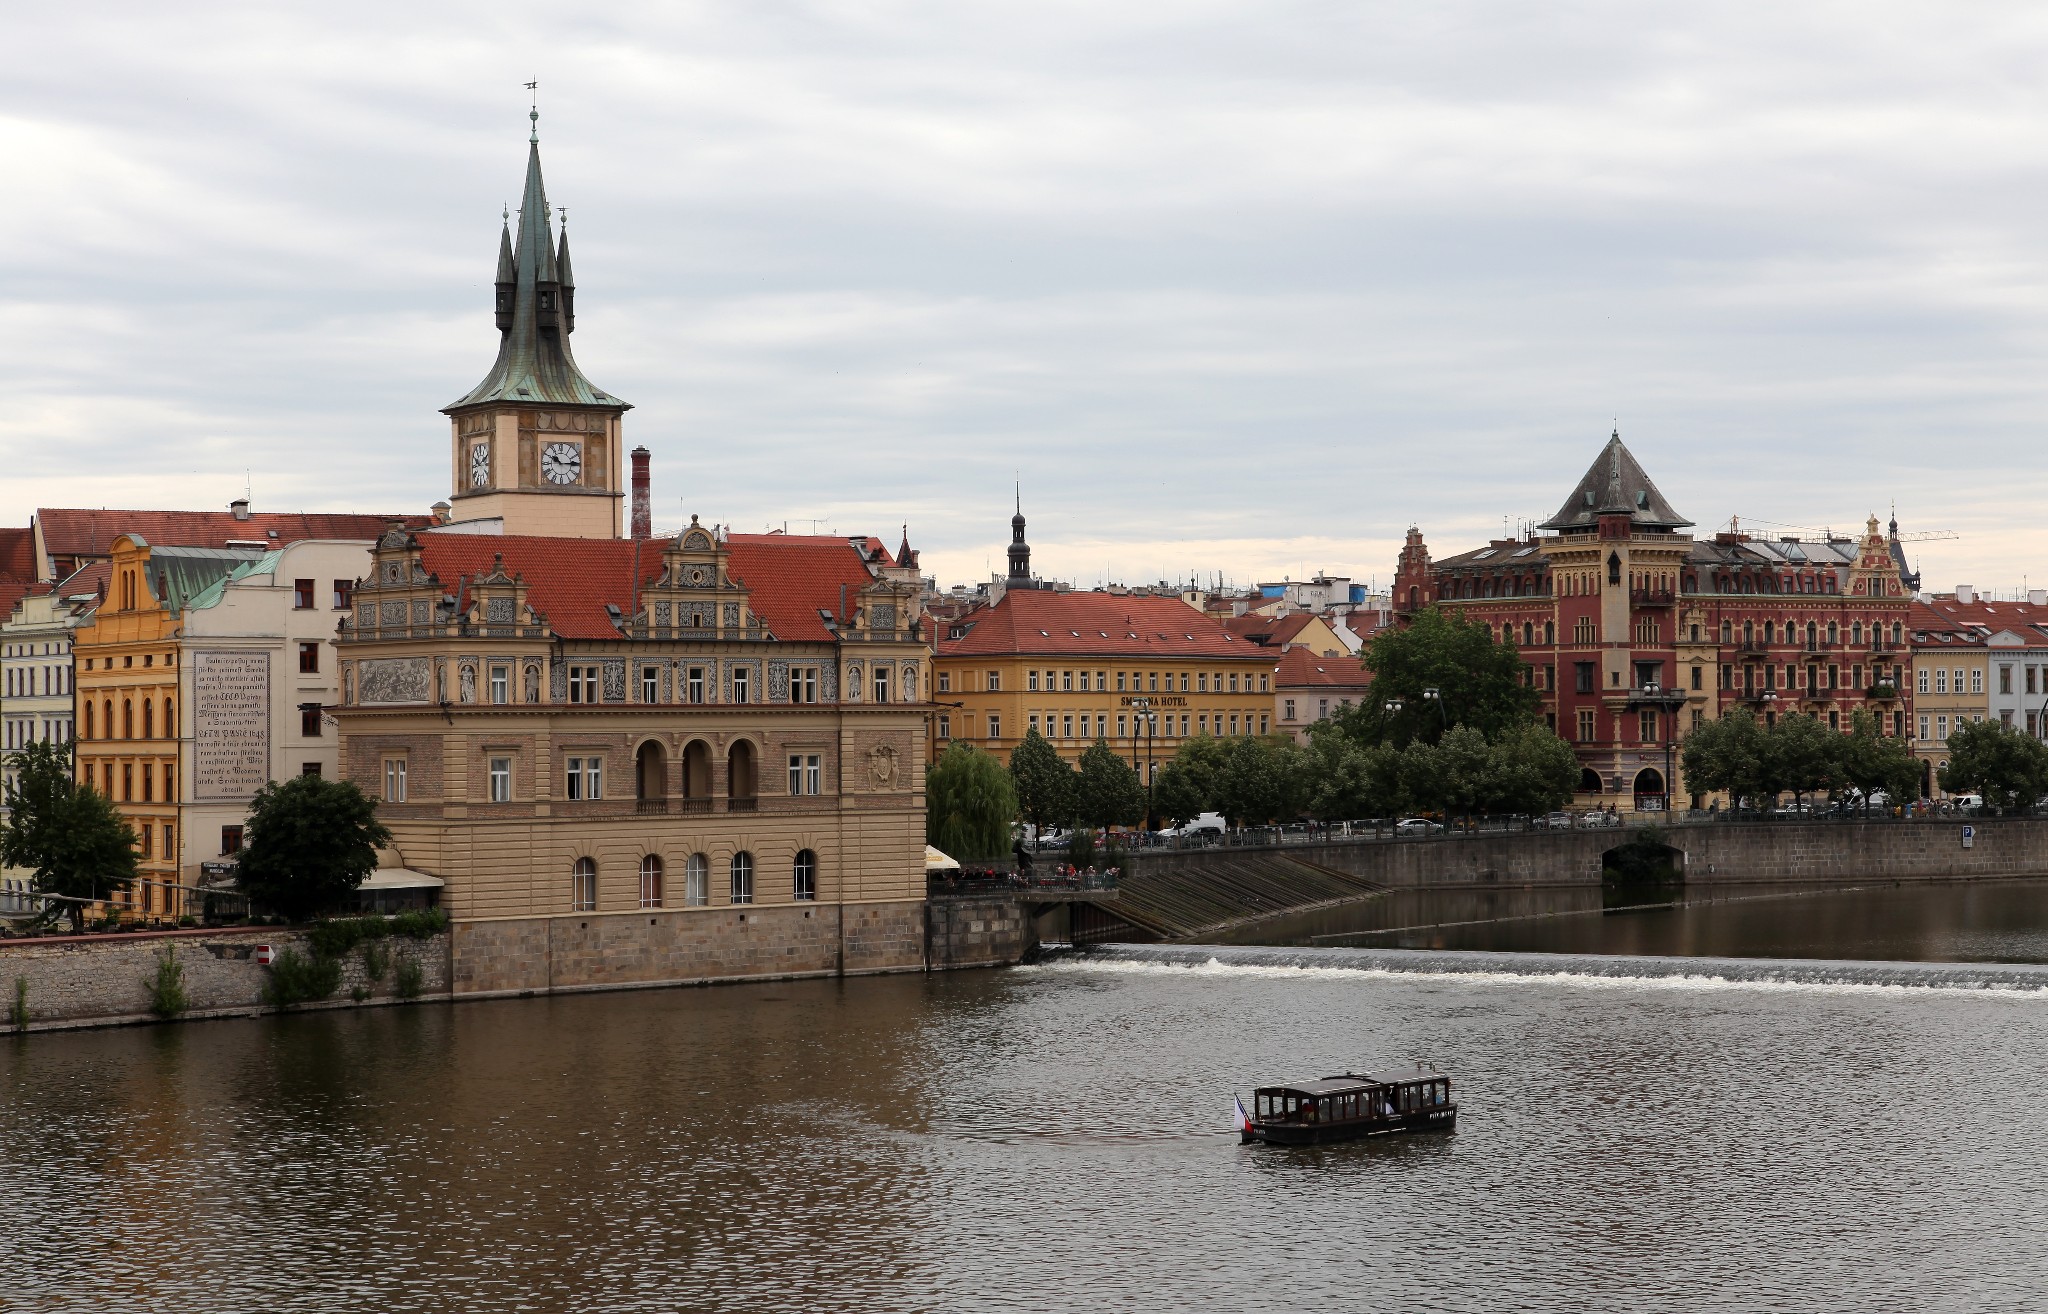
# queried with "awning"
point(937, 861)
point(401, 878)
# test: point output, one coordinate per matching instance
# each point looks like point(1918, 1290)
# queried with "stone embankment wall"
point(980, 932)
point(104, 980)
point(1787, 852)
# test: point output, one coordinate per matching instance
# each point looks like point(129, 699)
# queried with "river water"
point(1716, 1134)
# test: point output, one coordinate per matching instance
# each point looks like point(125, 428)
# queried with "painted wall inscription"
point(230, 724)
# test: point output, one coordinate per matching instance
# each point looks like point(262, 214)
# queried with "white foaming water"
point(2022, 982)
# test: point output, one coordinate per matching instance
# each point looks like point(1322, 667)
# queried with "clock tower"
point(536, 446)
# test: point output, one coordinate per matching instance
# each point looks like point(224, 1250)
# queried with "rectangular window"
point(394, 780)
point(1120, 681)
point(1834, 677)
point(309, 720)
point(1032, 723)
point(1262, 723)
point(1977, 680)
point(995, 725)
point(1940, 681)
point(1120, 722)
point(582, 684)
point(881, 684)
point(1922, 682)
point(1067, 680)
point(1031, 680)
point(501, 780)
point(803, 684)
point(1582, 673)
point(945, 682)
point(1202, 724)
point(305, 769)
point(343, 590)
point(1287, 709)
point(1648, 729)
point(995, 681)
point(143, 836)
point(806, 773)
point(1183, 681)
point(1202, 683)
point(501, 685)
point(2030, 679)
point(302, 594)
point(650, 683)
point(1941, 727)
point(694, 683)
point(945, 726)
point(741, 691)
point(1322, 709)
point(1698, 677)
point(1067, 726)
point(1233, 682)
point(1152, 680)
point(230, 840)
point(1923, 724)
point(309, 659)
point(2004, 679)
point(586, 778)
point(1586, 727)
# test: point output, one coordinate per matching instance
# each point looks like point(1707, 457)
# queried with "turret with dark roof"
point(535, 311)
point(1615, 484)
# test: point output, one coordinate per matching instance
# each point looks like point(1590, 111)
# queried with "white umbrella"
point(937, 861)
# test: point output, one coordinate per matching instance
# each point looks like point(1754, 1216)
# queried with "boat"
point(1349, 1106)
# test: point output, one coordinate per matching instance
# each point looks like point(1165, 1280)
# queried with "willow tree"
point(969, 803)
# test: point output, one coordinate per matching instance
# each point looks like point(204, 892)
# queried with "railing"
point(650, 806)
point(1881, 691)
point(743, 805)
point(1651, 597)
point(1752, 645)
point(1005, 881)
point(692, 804)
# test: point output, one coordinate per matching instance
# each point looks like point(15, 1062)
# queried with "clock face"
point(561, 463)
point(479, 465)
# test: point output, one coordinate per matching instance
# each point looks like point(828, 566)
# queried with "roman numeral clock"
point(561, 463)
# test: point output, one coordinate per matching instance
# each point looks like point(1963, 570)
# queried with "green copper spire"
point(535, 309)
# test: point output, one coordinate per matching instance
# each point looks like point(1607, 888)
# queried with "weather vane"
point(534, 114)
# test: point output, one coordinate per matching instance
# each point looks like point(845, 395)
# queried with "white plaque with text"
point(230, 725)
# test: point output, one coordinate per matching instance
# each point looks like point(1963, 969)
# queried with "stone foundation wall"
point(647, 947)
point(983, 932)
point(103, 980)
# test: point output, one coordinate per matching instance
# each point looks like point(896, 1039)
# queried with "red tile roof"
point(1301, 669)
point(13, 591)
point(1272, 631)
point(18, 554)
point(1038, 621)
point(570, 580)
point(78, 532)
point(1982, 618)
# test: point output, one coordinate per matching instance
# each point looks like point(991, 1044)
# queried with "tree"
point(69, 837)
point(969, 804)
point(1043, 781)
point(1531, 771)
point(1107, 790)
point(1806, 756)
point(1730, 754)
point(311, 841)
point(2007, 766)
point(1191, 783)
point(1259, 782)
point(1478, 682)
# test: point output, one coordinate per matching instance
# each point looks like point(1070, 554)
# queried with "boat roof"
point(1351, 1081)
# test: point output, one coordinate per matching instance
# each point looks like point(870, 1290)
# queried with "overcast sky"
point(1236, 287)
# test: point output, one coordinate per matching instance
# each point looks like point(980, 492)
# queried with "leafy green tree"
point(1259, 782)
point(2007, 766)
point(1531, 771)
point(1806, 757)
point(67, 835)
point(1479, 683)
point(311, 841)
point(1731, 754)
point(969, 804)
point(1043, 781)
point(1192, 782)
point(1107, 790)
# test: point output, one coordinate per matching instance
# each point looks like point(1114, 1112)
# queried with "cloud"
point(1228, 287)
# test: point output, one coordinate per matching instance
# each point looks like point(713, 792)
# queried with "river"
point(1727, 1133)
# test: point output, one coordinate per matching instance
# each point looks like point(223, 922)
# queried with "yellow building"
point(1951, 674)
point(1143, 673)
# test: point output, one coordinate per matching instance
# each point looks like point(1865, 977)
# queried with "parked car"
point(1554, 821)
point(1599, 818)
point(1416, 826)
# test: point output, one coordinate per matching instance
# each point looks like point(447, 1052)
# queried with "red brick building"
point(1634, 631)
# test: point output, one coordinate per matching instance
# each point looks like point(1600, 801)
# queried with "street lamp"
point(1142, 710)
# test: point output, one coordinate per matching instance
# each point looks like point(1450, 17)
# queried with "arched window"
point(1727, 632)
point(1550, 631)
point(88, 720)
point(583, 886)
point(742, 780)
point(107, 718)
point(170, 721)
point(1896, 632)
point(1528, 633)
point(127, 718)
point(148, 720)
point(742, 877)
point(805, 878)
point(148, 779)
point(697, 774)
point(1812, 634)
point(1834, 634)
point(696, 881)
point(650, 882)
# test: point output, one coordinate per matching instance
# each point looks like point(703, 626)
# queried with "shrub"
point(335, 937)
point(188, 920)
point(297, 978)
point(409, 979)
point(358, 993)
point(167, 987)
point(376, 961)
point(423, 924)
point(1081, 848)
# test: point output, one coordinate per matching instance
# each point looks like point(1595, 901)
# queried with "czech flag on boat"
point(1244, 1120)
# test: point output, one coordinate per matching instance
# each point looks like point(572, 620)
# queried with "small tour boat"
point(1349, 1106)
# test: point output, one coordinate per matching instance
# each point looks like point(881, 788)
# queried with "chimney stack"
point(1965, 594)
point(643, 496)
point(240, 506)
point(441, 513)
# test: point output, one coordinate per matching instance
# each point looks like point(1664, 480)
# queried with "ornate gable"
point(696, 595)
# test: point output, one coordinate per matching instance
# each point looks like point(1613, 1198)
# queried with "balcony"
point(1751, 645)
point(1882, 693)
point(1642, 596)
point(743, 805)
point(650, 807)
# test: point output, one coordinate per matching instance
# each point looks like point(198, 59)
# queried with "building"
point(1143, 673)
point(1634, 631)
point(36, 701)
point(1299, 629)
point(1311, 686)
point(630, 758)
point(1976, 659)
point(201, 678)
point(64, 540)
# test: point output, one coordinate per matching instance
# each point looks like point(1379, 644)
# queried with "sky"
point(1230, 289)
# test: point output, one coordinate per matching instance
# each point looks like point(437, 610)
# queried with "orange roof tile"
point(79, 532)
point(17, 554)
point(1038, 621)
point(1301, 669)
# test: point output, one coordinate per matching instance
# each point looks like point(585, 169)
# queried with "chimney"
point(643, 496)
point(441, 513)
point(1965, 594)
point(240, 506)
point(2037, 597)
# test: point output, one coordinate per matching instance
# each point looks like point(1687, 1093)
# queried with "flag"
point(1244, 1120)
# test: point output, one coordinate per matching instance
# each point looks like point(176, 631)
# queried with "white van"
point(1209, 823)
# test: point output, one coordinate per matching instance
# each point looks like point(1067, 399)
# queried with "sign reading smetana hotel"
point(230, 725)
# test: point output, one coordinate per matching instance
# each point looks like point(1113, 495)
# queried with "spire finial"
point(533, 114)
